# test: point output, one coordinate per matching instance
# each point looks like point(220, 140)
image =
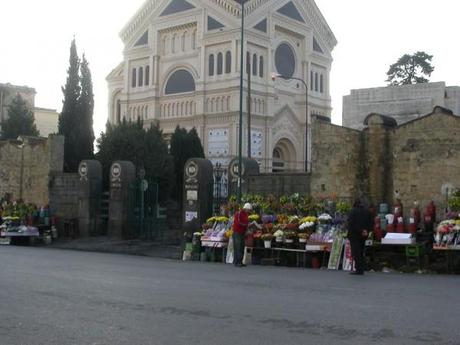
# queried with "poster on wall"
point(190, 215)
point(218, 143)
point(256, 143)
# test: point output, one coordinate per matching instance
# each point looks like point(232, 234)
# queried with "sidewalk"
point(106, 244)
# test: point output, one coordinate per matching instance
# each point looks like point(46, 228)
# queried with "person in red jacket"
point(240, 226)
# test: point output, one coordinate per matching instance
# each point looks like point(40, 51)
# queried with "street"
point(51, 296)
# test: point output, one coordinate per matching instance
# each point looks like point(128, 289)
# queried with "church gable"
point(291, 11)
point(143, 40)
point(261, 26)
point(316, 47)
point(286, 121)
point(213, 24)
point(176, 6)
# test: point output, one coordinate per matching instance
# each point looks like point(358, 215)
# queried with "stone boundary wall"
point(64, 191)
point(26, 165)
point(337, 161)
point(278, 184)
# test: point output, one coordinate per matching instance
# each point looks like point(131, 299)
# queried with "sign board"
point(336, 253)
point(144, 185)
point(192, 195)
point(347, 258)
point(190, 215)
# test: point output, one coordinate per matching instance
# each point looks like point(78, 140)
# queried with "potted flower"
point(279, 235)
point(290, 236)
point(303, 237)
point(324, 218)
point(267, 238)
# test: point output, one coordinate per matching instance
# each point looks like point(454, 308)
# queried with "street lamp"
point(218, 171)
point(307, 115)
point(240, 134)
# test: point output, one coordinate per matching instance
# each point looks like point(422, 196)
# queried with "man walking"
point(240, 225)
point(360, 222)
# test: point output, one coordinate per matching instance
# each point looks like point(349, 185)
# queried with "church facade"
point(182, 67)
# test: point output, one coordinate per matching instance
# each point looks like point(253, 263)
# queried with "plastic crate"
point(415, 251)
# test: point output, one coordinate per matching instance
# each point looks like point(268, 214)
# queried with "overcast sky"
point(372, 34)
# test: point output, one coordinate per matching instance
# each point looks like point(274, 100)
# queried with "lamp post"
point(240, 134)
point(218, 172)
point(307, 115)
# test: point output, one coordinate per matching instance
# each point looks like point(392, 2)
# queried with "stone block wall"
point(279, 184)
point(26, 164)
point(63, 194)
point(336, 161)
point(426, 157)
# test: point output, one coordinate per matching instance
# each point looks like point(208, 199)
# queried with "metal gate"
point(146, 219)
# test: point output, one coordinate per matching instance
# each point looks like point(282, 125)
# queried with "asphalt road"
point(50, 296)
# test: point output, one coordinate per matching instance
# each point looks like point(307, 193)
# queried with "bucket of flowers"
point(290, 236)
point(267, 238)
point(303, 237)
point(279, 236)
point(257, 235)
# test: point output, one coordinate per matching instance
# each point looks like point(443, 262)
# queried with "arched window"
point(321, 86)
point(141, 76)
point(134, 78)
point(228, 62)
point(179, 82)
point(254, 64)
point(248, 62)
point(220, 63)
point(261, 67)
point(316, 82)
point(147, 75)
point(211, 65)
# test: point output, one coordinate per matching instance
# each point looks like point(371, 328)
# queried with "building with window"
point(46, 120)
point(182, 67)
point(404, 103)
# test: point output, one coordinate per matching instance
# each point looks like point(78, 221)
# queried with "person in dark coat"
point(360, 223)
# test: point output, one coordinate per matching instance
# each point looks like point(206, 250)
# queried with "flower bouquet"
point(303, 237)
point(279, 235)
point(254, 218)
point(290, 236)
point(325, 218)
point(448, 233)
point(283, 219)
point(267, 238)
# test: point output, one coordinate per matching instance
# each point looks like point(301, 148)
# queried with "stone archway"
point(284, 156)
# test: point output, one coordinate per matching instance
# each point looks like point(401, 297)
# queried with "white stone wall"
point(46, 121)
point(182, 41)
point(404, 103)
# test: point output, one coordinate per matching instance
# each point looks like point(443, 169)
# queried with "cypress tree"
point(86, 109)
point(20, 120)
point(184, 145)
point(69, 119)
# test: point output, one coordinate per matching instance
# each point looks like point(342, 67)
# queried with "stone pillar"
point(89, 197)
point(379, 157)
point(249, 167)
point(122, 176)
point(198, 189)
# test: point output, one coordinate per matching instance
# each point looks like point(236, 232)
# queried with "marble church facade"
point(182, 67)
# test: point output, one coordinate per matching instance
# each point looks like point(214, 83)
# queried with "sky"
point(371, 34)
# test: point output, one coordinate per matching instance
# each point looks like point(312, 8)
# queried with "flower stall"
point(296, 230)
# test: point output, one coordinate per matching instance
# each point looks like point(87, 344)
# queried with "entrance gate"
point(146, 220)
